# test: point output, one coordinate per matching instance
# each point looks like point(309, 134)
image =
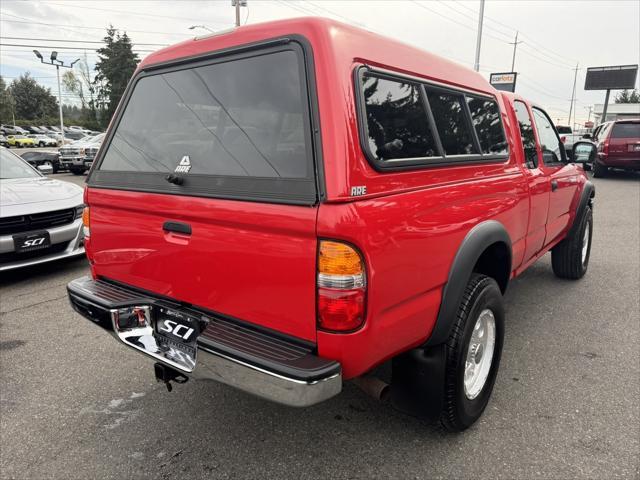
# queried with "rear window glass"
point(453, 129)
point(626, 130)
point(486, 120)
point(562, 129)
point(396, 120)
point(241, 118)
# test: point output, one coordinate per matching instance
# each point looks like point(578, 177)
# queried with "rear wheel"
point(599, 170)
point(76, 171)
point(570, 258)
point(473, 353)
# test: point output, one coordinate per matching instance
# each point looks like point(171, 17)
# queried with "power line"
point(29, 21)
point(62, 47)
point(73, 41)
point(146, 14)
point(512, 29)
point(468, 27)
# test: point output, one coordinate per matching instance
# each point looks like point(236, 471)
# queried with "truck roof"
point(332, 40)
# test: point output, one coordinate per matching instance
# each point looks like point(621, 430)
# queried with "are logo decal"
point(184, 166)
point(358, 191)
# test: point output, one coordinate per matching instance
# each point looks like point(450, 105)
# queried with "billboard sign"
point(505, 81)
point(617, 77)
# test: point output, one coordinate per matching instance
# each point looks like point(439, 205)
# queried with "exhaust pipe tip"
point(372, 386)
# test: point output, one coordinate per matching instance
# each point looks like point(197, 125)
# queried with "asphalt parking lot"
point(75, 404)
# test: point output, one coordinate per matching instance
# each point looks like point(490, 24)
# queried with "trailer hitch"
point(166, 375)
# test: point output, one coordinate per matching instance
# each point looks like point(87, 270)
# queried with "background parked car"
point(44, 140)
point(3, 141)
point(74, 135)
point(40, 157)
point(20, 141)
point(76, 128)
point(33, 129)
point(618, 145)
point(12, 130)
point(41, 218)
point(78, 157)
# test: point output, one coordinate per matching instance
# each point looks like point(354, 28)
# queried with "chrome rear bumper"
point(234, 353)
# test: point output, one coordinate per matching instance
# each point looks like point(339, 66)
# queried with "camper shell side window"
point(406, 122)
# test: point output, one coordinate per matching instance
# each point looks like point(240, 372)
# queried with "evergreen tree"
point(627, 96)
point(114, 68)
point(32, 100)
point(7, 103)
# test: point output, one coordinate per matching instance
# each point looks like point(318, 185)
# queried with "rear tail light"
point(85, 222)
point(342, 287)
point(605, 147)
point(563, 139)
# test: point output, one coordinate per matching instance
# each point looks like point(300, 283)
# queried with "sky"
point(556, 35)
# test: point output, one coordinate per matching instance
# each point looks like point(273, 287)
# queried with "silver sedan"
point(40, 218)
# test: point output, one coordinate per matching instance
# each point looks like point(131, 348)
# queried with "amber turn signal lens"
point(342, 287)
point(339, 259)
point(85, 222)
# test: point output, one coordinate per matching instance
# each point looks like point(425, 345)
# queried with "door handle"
point(177, 227)
point(554, 185)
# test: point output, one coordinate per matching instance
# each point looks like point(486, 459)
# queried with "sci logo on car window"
point(184, 166)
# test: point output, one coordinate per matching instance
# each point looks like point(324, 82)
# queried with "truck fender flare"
point(474, 244)
point(586, 196)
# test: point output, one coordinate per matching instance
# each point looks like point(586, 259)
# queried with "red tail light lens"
point(563, 139)
point(341, 287)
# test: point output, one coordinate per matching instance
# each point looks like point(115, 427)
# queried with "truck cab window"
point(549, 140)
point(527, 135)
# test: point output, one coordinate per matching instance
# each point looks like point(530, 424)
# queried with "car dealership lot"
point(75, 404)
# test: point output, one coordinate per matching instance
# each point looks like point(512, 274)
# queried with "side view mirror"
point(584, 152)
point(45, 169)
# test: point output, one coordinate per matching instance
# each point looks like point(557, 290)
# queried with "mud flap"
point(417, 382)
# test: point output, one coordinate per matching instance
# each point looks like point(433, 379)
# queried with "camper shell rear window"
point(236, 126)
point(408, 123)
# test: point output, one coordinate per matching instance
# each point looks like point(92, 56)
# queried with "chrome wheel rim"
point(585, 243)
point(480, 354)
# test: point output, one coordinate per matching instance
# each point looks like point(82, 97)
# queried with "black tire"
point(566, 257)
point(76, 171)
point(459, 411)
point(599, 170)
point(41, 144)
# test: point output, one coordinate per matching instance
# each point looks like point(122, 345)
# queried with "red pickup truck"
point(288, 205)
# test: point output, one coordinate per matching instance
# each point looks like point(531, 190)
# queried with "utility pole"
point(573, 92)
point(57, 63)
point(590, 110)
point(515, 46)
point(476, 65)
point(237, 4)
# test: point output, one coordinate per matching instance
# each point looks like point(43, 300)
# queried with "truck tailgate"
point(252, 261)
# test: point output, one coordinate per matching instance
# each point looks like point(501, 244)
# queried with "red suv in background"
point(618, 147)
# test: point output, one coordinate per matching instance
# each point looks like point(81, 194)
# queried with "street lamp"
point(57, 63)
point(193, 27)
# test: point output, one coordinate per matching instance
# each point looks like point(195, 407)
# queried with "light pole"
point(476, 65)
point(237, 4)
point(193, 27)
point(57, 63)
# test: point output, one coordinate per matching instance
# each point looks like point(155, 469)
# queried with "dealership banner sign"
point(504, 81)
